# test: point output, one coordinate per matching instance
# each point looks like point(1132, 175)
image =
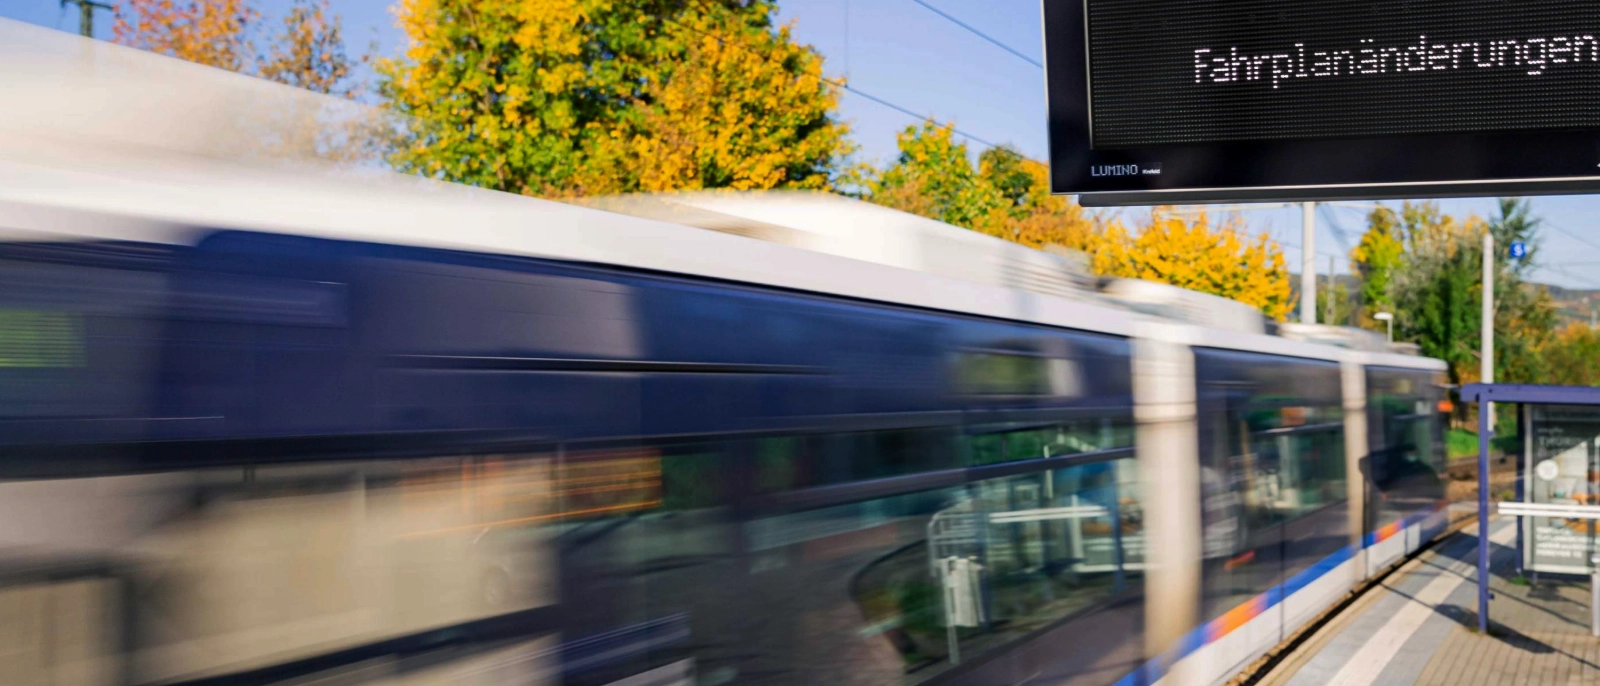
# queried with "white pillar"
point(1353, 377)
point(1308, 262)
point(1169, 474)
point(1486, 371)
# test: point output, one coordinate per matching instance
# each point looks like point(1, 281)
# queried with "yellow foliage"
point(733, 115)
point(309, 53)
point(210, 32)
point(1008, 196)
point(1217, 259)
point(589, 97)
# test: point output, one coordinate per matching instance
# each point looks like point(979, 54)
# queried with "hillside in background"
point(1576, 305)
point(1572, 304)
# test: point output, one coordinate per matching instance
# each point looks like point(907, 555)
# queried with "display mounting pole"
point(1486, 356)
point(1308, 263)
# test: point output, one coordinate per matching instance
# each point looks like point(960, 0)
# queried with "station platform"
point(1419, 626)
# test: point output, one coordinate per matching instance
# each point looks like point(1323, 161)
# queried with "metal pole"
point(1594, 597)
point(1483, 516)
point(1327, 310)
point(1308, 262)
point(86, 10)
point(1486, 361)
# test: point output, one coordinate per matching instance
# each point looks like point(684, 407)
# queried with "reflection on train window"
point(1407, 461)
point(979, 565)
point(992, 445)
point(995, 373)
point(790, 462)
point(1315, 471)
point(642, 581)
point(32, 339)
point(1273, 475)
point(236, 569)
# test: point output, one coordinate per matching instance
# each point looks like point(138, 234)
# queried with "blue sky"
point(906, 54)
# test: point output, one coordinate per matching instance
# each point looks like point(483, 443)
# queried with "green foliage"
point(1437, 293)
point(1436, 287)
point(1005, 169)
point(935, 178)
point(37, 338)
point(1525, 314)
point(693, 481)
point(1342, 310)
point(1460, 443)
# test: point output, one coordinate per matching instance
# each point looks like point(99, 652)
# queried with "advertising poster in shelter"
point(1563, 463)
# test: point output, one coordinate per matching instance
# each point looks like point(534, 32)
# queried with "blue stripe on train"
point(1153, 669)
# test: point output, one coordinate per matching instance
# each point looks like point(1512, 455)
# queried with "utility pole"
point(1327, 311)
point(1308, 263)
point(1486, 370)
point(86, 10)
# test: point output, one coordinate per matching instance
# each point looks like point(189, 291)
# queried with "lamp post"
point(1386, 317)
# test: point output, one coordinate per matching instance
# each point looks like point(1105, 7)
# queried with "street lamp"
point(1386, 317)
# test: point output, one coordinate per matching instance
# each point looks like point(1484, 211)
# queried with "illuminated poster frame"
point(1559, 460)
point(1478, 163)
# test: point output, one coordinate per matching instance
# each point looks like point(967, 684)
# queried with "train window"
point(38, 338)
point(1314, 473)
point(779, 460)
point(1016, 374)
point(693, 477)
point(1406, 462)
point(984, 565)
point(1273, 470)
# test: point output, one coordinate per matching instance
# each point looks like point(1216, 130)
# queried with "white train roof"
point(119, 144)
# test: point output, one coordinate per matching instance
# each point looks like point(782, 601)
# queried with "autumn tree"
point(209, 32)
point(1375, 260)
point(746, 108)
point(1437, 288)
point(934, 177)
point(1524, 312)
point(1573, 355)
point(1215, 258)
point(1006, 194)
point(309, 52)
point(585, 97)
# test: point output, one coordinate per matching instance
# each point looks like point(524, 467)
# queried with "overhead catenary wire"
point(974, 31)
point(1572, 235)
point(844, 85)
point(897, 108)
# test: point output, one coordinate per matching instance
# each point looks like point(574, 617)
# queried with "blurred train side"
point(276, 424)
point(249, 454)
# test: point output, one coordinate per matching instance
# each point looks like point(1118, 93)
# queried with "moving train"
point(263, 426)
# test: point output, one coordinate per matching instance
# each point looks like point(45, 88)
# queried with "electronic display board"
point(1194, 100)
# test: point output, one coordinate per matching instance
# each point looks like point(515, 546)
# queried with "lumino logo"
point(1114, 170)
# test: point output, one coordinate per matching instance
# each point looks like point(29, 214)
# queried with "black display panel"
point(1189, 100)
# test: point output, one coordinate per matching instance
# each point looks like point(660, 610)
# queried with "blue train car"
point(365, 434)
